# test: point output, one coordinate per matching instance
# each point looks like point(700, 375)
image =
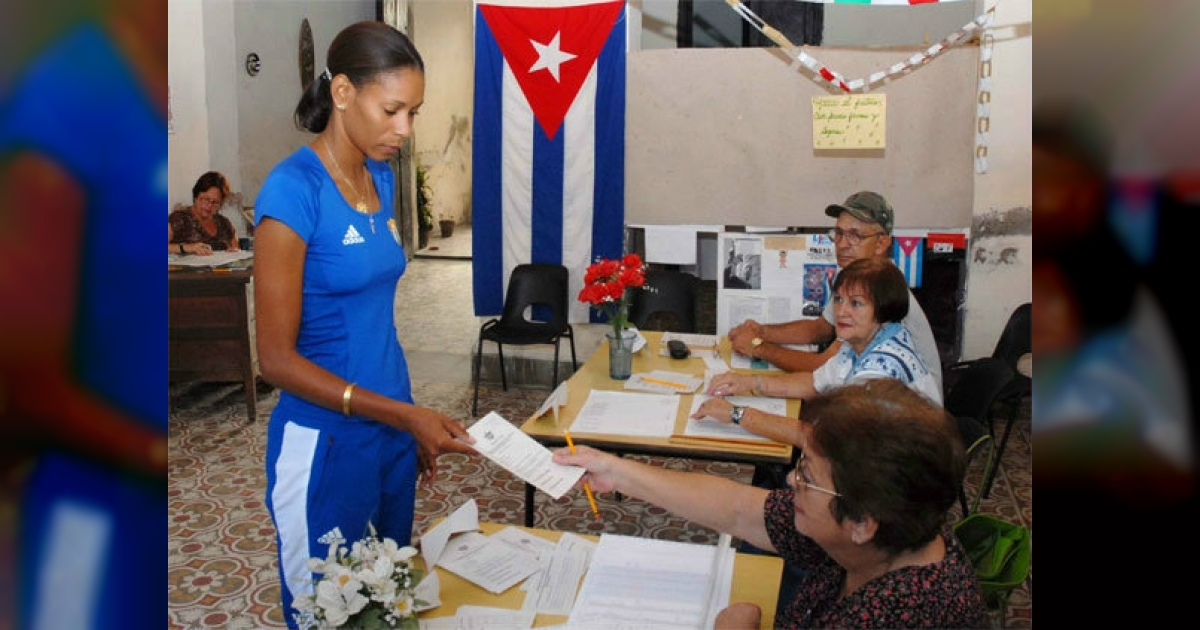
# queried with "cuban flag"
point(909, 256)
point(549, 141)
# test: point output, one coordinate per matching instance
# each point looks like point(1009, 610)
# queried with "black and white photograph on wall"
point(743, 263)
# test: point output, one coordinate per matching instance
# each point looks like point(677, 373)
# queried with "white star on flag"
point(550, 56)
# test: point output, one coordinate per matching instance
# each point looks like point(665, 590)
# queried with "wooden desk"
point(755, 579)
point(209, 329)
point(594, 375)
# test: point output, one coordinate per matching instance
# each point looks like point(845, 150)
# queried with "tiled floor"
point(457, 245)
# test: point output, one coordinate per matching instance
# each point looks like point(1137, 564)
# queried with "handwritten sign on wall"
point(851, 121)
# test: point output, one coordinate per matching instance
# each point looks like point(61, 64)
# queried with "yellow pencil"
point(586, 486)
point(667, 383)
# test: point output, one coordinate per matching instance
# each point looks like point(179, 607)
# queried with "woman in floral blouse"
point(201, 229)
point(864, 513)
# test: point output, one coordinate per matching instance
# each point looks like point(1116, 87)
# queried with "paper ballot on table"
point(216, 259)
point(500, 441)
point(556, 399)
point(429, 590)
point(627, 413)
point(710, 428)
point(640, 582)
point(494, 565)
point(433, 542)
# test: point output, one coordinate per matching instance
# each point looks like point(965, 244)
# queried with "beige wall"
point(1003, 196)
point(444, 33)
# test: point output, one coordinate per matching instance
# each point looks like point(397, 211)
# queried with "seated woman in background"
point(201, 229)
point(870, 298)
point(864, 512)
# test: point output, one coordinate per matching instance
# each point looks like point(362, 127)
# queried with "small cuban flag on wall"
point(548, 141)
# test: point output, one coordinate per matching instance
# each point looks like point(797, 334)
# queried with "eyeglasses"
point(207, 201)
point(854, 237)
point(802, 479)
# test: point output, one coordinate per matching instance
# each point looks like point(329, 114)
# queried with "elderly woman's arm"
point(722, 504)
point(791, 385)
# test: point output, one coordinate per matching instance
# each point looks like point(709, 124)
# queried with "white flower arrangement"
point(368, 585)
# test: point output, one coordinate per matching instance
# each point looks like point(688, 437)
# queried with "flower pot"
point(620, 354)
point(447, 226)
point(423, 238)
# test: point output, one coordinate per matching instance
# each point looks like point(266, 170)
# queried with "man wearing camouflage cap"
point(863, 230)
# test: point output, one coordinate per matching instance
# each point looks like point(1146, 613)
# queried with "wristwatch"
point(754, 344)
point(735, 415)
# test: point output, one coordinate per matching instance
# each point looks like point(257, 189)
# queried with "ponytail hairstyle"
point(361, 52)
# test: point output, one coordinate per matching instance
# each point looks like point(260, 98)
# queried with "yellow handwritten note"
point(851, 121)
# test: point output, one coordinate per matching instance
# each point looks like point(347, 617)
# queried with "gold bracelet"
point(346, 398)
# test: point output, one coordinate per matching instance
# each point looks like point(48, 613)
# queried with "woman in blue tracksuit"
point(345, 444)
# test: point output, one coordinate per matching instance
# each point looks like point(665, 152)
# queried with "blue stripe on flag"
point(547, 217)
point(487, 243)
point(608, 218)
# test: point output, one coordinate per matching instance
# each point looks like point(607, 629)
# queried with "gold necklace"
point(361, 206)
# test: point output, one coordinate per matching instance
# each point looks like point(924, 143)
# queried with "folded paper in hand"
point(500, 441)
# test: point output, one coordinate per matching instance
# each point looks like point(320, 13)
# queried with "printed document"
point(710, 428)
point(216, 259)
point(500, 441)
point(627, 413)
point(494, 565)
point(433, 541)
point(638, 582)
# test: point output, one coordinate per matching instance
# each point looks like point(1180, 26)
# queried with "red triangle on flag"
point(539, 41)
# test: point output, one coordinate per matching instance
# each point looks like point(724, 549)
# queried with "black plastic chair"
point(541, 289)
point(667, 302)
point(971, 389)
point(1014, 343)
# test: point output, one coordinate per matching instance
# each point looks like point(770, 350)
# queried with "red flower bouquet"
point(605, 288)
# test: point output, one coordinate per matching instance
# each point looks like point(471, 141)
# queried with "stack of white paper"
point(642, 582)
point(711, 428)
point(626, 413)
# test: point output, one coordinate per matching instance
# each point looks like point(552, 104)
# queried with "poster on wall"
point(772, 278)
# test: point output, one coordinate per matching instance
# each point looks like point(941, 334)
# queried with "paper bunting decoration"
point(835, 78)
point(879, 3)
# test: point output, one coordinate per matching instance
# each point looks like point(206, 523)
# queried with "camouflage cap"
point(866, 206)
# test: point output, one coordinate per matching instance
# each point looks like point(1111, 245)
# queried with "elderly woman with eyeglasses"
point(870, 300)
point(864, 512)
point(201, 229)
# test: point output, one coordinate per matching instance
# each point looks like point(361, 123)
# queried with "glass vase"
point(620, 354)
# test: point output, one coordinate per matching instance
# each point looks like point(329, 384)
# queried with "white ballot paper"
point(556, 399)
point(708, 427)
point(500, 441)
point(641, 582)
point(552, 592)
point(494, 565)
point(429, 591)
point(627, 413)
point(490, 618)
point(433, 541)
